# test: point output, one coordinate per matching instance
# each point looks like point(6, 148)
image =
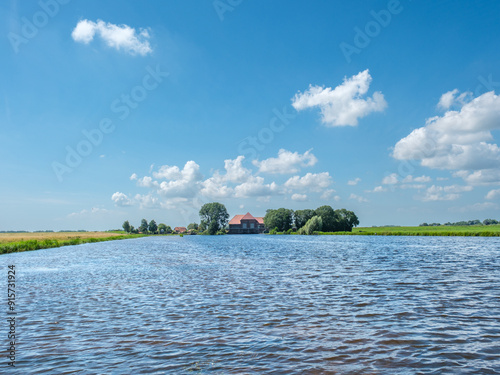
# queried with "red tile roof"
point(248, 216)
point(237, 218)
point(180, 229)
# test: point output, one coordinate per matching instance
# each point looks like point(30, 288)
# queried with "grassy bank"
point(17, 242)
point(442, 230)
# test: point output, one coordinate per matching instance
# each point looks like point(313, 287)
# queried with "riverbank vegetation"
point(26, 241)
point(308, 221)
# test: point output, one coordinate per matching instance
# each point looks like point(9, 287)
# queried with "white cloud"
point(493, 194)
point(390, 180)
point(358, 198)
point(92, 211)
point(214, 187)
point(451, 98)
point(286, 162)
point(377, 189)
point(312, 181)
point(354, 182)
point(255, 187)
point(444, 193)
point(148, 201)
point(413, 186)
point(343, 105)
point(121, 199)
point(299, 197)
point(133, 177)
point(120, 37)
point(327, 194)
point(235, 172)
point(459, 140)
point(180, 183)
point(410, 178)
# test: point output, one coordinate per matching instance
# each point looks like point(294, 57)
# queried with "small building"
point(246, 224)
point(180, 230)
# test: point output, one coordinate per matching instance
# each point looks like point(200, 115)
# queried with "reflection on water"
point(261, 304)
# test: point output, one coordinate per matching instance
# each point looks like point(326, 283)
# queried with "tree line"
point(214, 220)
point(147, 228)
point(308, 221)
point(463, 223)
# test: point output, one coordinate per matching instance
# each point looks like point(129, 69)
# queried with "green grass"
point(19, 246)
point(442, 230)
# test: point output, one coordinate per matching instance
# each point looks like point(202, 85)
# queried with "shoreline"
point(50, 240)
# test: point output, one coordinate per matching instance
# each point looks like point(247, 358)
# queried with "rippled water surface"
point(260, 305)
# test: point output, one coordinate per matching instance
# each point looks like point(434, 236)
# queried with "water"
point(260, 305)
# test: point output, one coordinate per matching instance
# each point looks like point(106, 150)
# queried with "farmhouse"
point(246, 224)
point(180, 230)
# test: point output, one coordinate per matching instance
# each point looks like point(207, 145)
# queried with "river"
point(259, 304)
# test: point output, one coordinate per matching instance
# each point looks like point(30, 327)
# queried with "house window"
point(244, 225)
point(252, 225)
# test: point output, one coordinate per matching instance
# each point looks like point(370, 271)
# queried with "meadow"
point(17, 242)
point(442, 230)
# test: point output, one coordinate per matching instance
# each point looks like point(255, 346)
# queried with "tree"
point(280, 219)
point(302, 216)
point(192, 226)
point(490, 222)
point(330, 221)
point(314, 224)
point(152, 227)
point(214, 216)
point(162, 228)
point(144, 226)
point(126, 226)
point(346, 220)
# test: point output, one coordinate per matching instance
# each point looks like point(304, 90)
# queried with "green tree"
point(214, 217)
point(302, 216)
point(152, 227)
point(126, 226)
point(346, 220)
point(280, 219)
point(314, 224)
point(162, 228)
point(192, 226)
point(328, 217)
point(144, 226)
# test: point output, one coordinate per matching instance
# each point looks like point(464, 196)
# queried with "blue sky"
point(129, 110)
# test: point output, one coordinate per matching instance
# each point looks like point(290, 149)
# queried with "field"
point(442, 230)
point(16, 242)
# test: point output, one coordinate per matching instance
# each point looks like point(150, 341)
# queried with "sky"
point(123, 110)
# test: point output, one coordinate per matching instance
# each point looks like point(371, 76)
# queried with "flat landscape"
point(442, 230)
point(60, 236)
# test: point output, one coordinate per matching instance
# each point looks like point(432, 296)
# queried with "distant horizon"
point(112, 111)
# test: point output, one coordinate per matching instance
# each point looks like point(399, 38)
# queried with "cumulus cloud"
point(299, 197)
point(343, 105)
point(493, 194)
point(286, 162)
point(459, 140)
point(121, 199)
point(120, 37)
point(170, 186)
point(255, 187)
point(358, 198)
point(452, 98)
point(390, 179)
point(410, 178)
point(327, 194)
point(377, 189)
point(444, 193)
point(354, 182)
point(311, 181)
